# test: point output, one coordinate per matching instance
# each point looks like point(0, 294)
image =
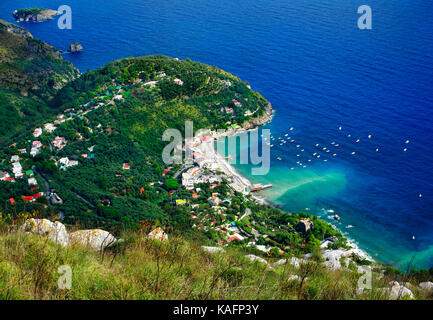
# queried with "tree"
point(171, 183)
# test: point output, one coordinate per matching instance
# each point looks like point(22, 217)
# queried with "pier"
point(259, 187)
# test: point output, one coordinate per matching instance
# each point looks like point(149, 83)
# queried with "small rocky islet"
point(34, 14)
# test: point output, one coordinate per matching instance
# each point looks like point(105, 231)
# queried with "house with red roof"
point(38, 195)
point(28, 199)
point(235, 237)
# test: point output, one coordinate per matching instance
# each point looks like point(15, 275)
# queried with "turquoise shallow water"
point(328, 188)
point(320, 72)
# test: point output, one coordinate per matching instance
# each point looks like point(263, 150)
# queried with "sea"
point(364, 95)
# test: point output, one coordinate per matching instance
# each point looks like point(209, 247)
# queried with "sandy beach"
point(209, 151)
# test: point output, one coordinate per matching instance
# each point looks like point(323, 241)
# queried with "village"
point(208, 168)
point(35, 146)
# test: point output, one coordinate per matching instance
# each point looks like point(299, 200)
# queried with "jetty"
point(259, 187)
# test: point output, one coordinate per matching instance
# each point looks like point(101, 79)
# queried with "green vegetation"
point(110, 122)
point(28, 11)
point(141, 268)
point(129, 130)
point(31, 72)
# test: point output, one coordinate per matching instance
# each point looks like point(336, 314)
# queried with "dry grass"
point(141, 268)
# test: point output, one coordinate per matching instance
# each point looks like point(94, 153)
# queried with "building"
point(237, 103)
point(235, 237)
point(32, 182)
point(37, 132)
point(214, 200)
point(227, 83)
point(187, 181)
point(49, 127)
point(65, 163)
point(28, 199)
point(178, 82)
point(17, 169)
point(180, 202)
point(3, 175)
point(59, 142)
point(37, 195)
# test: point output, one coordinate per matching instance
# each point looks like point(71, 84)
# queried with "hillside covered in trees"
point(31, 73)
point(87, 151)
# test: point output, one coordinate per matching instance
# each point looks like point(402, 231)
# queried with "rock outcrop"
point(158, 234)
point(296, 262)
point(426, 286)
point(333, 258)
point(213, 249)
point(75, 47)
point(397, 291)
point(254, 258)
point(96, 239)
point(55, 231)
point(259, 121)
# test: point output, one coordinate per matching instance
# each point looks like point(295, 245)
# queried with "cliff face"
point(34, 14)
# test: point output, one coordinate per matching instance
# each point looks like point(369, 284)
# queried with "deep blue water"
point(320, 72)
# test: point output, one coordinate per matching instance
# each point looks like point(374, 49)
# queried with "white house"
point(37, 132)
point(178, 82)
point(49, 127)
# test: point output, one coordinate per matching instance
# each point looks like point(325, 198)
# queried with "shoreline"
point(253, 124)
point(230, 170)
